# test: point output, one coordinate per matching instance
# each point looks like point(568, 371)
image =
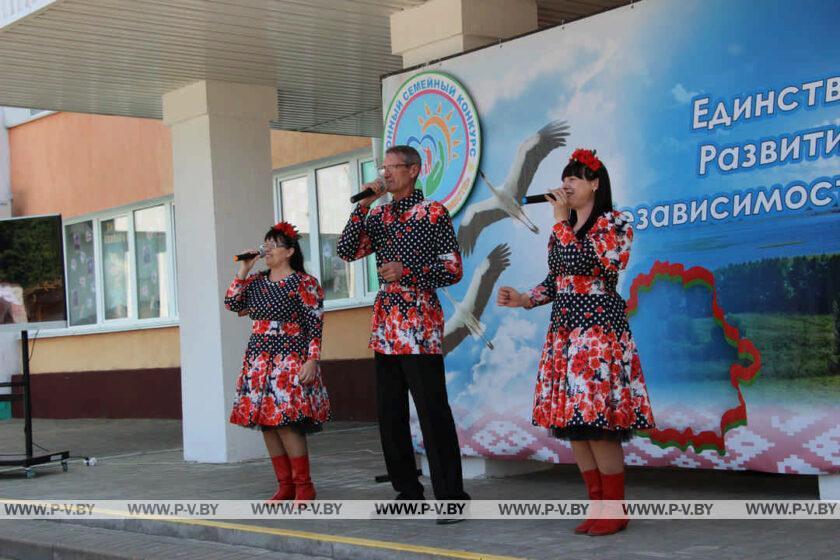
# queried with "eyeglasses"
point(391, 167)
point(269, 245)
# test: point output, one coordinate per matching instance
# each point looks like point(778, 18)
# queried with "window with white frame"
point(120, 265)
point(316, 200)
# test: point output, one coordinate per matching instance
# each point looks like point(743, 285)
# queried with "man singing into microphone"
point(416, 253)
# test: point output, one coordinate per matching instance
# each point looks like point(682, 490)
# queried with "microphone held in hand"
point(368, 191)
point(247, 256)
point(533, 199)
point(362, 195)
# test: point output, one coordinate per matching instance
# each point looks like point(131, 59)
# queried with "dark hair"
point(603, 195)
point(409, 156)
point(296, 262)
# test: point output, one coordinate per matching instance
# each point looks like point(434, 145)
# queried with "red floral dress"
point(590, 383)
point(285, 332)
point(407, 316)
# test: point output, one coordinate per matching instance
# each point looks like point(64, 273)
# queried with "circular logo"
point(434, 114)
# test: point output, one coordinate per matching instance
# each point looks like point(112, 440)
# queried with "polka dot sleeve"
point(312, 297)
point(354, 242)
point(543, 293)
point(237, 295)
point(546, 291)
point(563, 233)
point(446, 267)
point(611, 238)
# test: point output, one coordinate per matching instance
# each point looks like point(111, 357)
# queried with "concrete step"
point(49, 540)
point(310, 541)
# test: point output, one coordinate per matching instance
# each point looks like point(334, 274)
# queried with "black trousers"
point(423, 376)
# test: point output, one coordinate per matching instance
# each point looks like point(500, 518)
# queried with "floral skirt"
point(269, 392)
point(589, 382)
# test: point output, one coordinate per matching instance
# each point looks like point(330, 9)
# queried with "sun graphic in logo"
point(434, 114)
point(437, 145)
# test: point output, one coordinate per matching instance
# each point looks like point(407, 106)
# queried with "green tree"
point(30, 252)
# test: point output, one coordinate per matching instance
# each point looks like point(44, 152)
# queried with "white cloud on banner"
point(502, 380)
point(682, 95)
point(578, 56)
point(590, 102)
point(513, 83)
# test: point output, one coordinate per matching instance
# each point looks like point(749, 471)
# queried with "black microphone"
point(367, 192)
point(247, 256)
point(362, 195)
point(533, 199)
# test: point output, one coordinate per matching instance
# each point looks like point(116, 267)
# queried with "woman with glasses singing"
point(279, 389)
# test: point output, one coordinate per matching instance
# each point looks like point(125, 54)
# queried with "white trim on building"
point(131, 320)
point(16, 116)
point(361, 280)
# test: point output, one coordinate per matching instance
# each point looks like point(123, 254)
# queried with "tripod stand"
point(28, 460)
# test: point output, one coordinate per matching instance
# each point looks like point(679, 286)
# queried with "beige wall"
point(76, 164)
point(345, 338)
point(142, 349)
point(293, 148)
point(346, 334)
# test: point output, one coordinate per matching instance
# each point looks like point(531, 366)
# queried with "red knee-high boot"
point(592, 478)
point(613, 485)
point(283, 470)
point(304, 489)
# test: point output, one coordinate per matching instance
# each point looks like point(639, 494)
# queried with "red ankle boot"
point(592, 478)
point(613, 489)
point(283, 470)
point(304, 489)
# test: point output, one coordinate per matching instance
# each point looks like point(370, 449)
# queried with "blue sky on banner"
point(625, 81)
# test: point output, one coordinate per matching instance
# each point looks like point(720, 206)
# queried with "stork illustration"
point(466, 318)
point(505, 201)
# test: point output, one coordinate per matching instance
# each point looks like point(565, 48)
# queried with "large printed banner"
point(719, 122)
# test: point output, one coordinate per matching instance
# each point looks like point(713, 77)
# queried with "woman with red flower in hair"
point(590, 388)
point(279, 389)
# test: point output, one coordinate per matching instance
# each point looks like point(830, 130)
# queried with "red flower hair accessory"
point(587, 158)
point(287, 229)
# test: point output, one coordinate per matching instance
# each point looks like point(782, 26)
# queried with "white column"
point(223, 204)
point(5, 169)
point(480, 467)
point(440, 28)
point(829, 485)
point(376, 151)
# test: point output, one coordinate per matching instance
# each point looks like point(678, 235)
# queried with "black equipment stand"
point(30, 459)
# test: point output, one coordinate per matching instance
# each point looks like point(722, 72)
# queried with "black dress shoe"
point(465, 498)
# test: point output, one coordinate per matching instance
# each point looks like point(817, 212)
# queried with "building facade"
point(119, 357)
